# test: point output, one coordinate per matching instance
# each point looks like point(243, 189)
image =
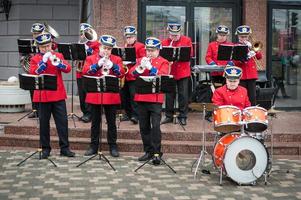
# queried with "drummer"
point(231, 93)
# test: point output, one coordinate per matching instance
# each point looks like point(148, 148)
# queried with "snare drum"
point(243, 158)
point(226, 119)
point(255, 118)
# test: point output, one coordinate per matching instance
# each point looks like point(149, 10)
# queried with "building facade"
point(275, 23)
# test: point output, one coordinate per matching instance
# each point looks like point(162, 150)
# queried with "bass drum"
point(243, 158)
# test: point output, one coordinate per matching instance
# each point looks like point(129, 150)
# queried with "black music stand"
point(155, 85)
point(127, 54)
point(100, 85)
point(26, 47)
point(233, 52)
point(72, 51)
point(38, 82)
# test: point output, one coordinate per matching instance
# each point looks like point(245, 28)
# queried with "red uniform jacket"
point(162, 65)
point(49, 95)
point(180, 69)
point(104, 98)
point(249, 70)
point(211, 56)
point(95, 46)
point(238, 97)
point(140, 53)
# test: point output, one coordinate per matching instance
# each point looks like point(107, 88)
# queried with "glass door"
point(285, 57)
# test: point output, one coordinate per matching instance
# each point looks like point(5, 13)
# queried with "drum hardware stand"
point(99, 153)
point(175, 116)
point(41, 86)
point(156, 155)
point(202, 158)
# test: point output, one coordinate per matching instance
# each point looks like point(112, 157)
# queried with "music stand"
point(106, 83)
point(232, 52)
point(127, 54)
point(155, 85)
point(202, 158)
point(25, 48)
point(38, 82)
point(72, 51)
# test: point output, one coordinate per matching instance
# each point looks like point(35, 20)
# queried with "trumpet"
point(105, 70)
point(256, 46)
point(55, 60)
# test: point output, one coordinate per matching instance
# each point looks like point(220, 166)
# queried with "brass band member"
point(51, 102)
point(222, 33)
point(104, 63)
point(150, 105)
point(249, 67)
point(128, 90)
point(92, 47)
point(231, 93)
point(181, 73)
point(36, 29)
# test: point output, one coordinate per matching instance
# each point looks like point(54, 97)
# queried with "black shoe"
point(33, 115)
point(182, 121)
point(145, 157)
point(114, 152)
point(67, 153)
point(86, 118)
point(286, 97)
point(166, 120)
point(134, 120)
point(156, 160)
point(124, 118)
point(90, 152)
point(45, 154)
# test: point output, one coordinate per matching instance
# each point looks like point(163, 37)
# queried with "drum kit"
point(239, 151)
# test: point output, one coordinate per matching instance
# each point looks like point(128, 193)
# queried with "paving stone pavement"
point(38, 179)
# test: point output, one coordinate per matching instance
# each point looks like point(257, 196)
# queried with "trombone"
point(256, 46)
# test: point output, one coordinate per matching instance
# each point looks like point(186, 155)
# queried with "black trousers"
point(59, 112)
point(149, 124)
point(110, 113)
point(85, 107)
point(127, 94)
point(182, 90)
point(250, 85)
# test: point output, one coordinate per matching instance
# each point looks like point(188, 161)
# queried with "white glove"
point(109, 64)
point(248, 44)
point(46, 56)
point(86, 47)
point(55, 60)
point(101, 61)
point(251, 54)
point(144, 61)
point(148, 65)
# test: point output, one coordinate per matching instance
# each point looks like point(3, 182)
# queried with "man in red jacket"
point(51, 102)
point(103, 63)
point(128, 90)
point(150, 105)
point(249, 67)
point(231, 93)
point(222, 33)
point(92, 47)
point(181, 73)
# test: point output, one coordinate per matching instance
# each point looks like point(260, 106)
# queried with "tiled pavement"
point(95, 180)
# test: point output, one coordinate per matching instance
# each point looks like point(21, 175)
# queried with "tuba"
point(89, 34)
point(51, 30)
point(25, 63)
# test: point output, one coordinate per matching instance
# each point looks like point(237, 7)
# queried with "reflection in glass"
point(157, 18)
point(286, 43)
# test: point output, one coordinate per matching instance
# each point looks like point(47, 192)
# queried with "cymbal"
point(201, 106)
